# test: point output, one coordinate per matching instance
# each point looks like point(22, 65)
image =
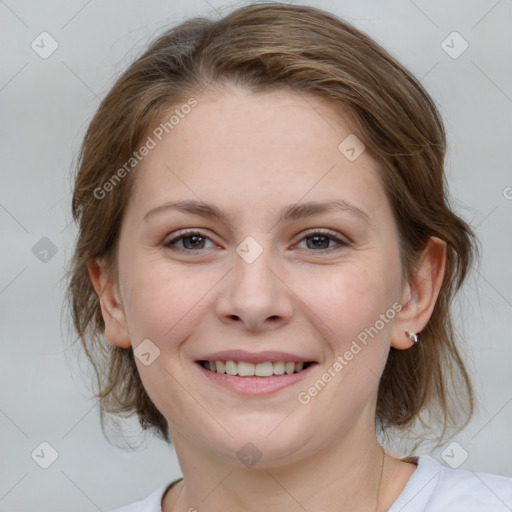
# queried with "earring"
point(412, 336)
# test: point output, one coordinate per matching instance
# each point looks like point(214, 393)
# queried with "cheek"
point(351, 299)
point(163, 304)
point(162, 300)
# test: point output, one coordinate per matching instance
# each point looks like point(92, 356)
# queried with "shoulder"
point(437, 488)
point(151, 503)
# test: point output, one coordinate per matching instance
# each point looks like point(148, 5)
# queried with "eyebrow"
point(291, 212)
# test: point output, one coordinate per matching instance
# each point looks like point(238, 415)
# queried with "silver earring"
point(414, 337)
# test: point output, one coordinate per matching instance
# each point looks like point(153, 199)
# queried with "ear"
point(420, 294)
point(111, 308)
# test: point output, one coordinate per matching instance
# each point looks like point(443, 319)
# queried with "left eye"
point(320, 240)
point(195, 240)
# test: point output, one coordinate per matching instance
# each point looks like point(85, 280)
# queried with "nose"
point(254, 296)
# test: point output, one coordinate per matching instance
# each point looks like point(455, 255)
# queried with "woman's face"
point(281, 277)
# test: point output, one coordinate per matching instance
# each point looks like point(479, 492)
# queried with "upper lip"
point(255, 357)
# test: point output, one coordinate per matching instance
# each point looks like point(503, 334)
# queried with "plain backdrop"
point(46, 104)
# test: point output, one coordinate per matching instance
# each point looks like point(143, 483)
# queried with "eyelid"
point(341, 240)
point(324, 231)
point(184, 233)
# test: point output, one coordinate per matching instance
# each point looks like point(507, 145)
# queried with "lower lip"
point(256, 385)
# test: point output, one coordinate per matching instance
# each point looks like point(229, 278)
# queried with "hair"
point(266, 47)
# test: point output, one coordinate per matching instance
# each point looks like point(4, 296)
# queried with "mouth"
point(248, 369)
point(261, 377)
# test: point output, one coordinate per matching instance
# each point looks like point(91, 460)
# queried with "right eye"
point(192, 241)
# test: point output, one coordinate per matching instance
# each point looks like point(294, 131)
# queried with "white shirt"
point(431, 488)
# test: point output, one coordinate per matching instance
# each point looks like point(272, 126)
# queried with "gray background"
point(45, 107)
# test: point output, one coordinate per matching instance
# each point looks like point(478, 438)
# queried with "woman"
point(265, 267)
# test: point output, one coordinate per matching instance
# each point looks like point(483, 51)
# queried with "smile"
point(248, 369)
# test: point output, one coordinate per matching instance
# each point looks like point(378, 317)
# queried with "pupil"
point(318, 238)
point(195, 238)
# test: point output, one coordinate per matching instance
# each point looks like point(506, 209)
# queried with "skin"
point(252, 155)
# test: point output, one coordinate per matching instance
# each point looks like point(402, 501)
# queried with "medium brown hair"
point(264, 47)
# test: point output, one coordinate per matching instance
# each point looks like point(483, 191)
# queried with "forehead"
point(244, 150)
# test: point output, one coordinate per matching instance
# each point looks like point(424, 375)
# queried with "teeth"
point(263, 369)
point(279, 368)
point(231, 368)
point(246, 369)
point(221, 367)
point(289, 368)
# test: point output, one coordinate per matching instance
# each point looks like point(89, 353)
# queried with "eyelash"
point(190, 233)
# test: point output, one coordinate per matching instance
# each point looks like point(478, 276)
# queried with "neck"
point(345, 476)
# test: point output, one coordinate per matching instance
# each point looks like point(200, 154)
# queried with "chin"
point(260, 446)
